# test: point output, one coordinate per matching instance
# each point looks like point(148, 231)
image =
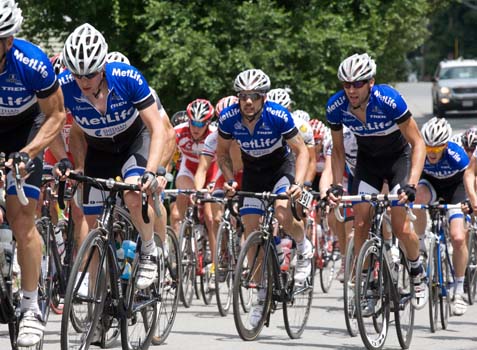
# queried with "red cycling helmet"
point(225, 102)
point(200, 110)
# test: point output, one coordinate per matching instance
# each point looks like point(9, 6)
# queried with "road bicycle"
point(440, 271)
point(382, 282)
point(194, 248)
point(98, 298)
point(229, 237)
point(258, 271)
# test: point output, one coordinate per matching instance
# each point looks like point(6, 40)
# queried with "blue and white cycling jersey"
point(28, 74)
point(451, 166)
point(117, 127)
point(266, 145)
point(380, 135)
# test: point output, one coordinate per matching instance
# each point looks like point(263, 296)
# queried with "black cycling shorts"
point(13, 141)
point(102, 164)
point(371, 172)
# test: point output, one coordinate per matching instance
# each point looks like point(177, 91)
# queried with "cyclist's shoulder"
point(456, 153)
point(336, 102)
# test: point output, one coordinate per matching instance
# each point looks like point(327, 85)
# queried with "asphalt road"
point(202, 328)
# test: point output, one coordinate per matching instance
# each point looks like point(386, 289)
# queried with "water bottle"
point(120, 256)
point(280, 254)
point(286, 245)
point(129, 250)
point(59, 241)
point(6, 237)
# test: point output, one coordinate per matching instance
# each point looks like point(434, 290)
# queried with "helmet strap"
point(96, 94)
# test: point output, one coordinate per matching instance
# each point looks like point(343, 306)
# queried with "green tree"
point(191, 49)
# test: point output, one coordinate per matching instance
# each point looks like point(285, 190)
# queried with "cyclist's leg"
point(22, 221)
point(425, 194)
point(459, 244)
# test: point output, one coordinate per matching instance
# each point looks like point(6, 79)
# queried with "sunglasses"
point(469, 149)
point(355, 84)
point(254, 96)
point(435, 149)
point(87, 76)
point(197, 124)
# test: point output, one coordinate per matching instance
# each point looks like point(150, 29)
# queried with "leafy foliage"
point(191, 49)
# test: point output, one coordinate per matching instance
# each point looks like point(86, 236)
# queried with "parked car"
point(454, 88)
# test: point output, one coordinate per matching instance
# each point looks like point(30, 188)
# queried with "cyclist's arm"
point(57, 147)
point(55, 117)
point(469, 182)
point(311, 171)
point(158, 142)
point(298, 147)
point(201, 174)
point(412, 135)
point(326, 179)
point(223, 157)
point(78, 146)
point(338, 156)
point(168, 153)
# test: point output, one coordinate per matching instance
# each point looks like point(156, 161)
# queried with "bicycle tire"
point(206, 292)
point(167, 308)
point(374, 333)
point(188, 262)
point(139, 324)
point(296, 311)
point(247, 269)
point(403, 310)
point(348, 290)
point(224, 267)
point(447, 286)
point(433, 277)
point(471, 269)
point(70, 321)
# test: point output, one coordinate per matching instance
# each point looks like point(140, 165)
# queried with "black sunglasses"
point(355, 84)
point(254, 96)
point(87, 76)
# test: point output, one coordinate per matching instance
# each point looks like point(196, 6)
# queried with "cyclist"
point(118, 121)
point(442, 178)
point(207, 159)
point(265, 132)
point(387, 135)
point(190, 138)
point(31, 117)
point(301, 119)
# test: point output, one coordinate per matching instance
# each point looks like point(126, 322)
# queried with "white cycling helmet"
point(302, 115)
point(10, 18)
point(356, 68)
point(252, 80)
point(436, 131)
point(116, 56)
point(85, 50)
point(280, 96)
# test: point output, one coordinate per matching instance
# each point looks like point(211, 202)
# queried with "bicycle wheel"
point(433, 277)
point(85, 294)
point(139, 325)
point(224, 266)
point(471, 270)
point(328, 270)
point(167, 307)
point(403, 309)
point(45, 282)
point(297, 309)
point(206, 291)
point(188, 260)
point(446, 290)
point(349, 305)
point(252, 274)
point(372, 297)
